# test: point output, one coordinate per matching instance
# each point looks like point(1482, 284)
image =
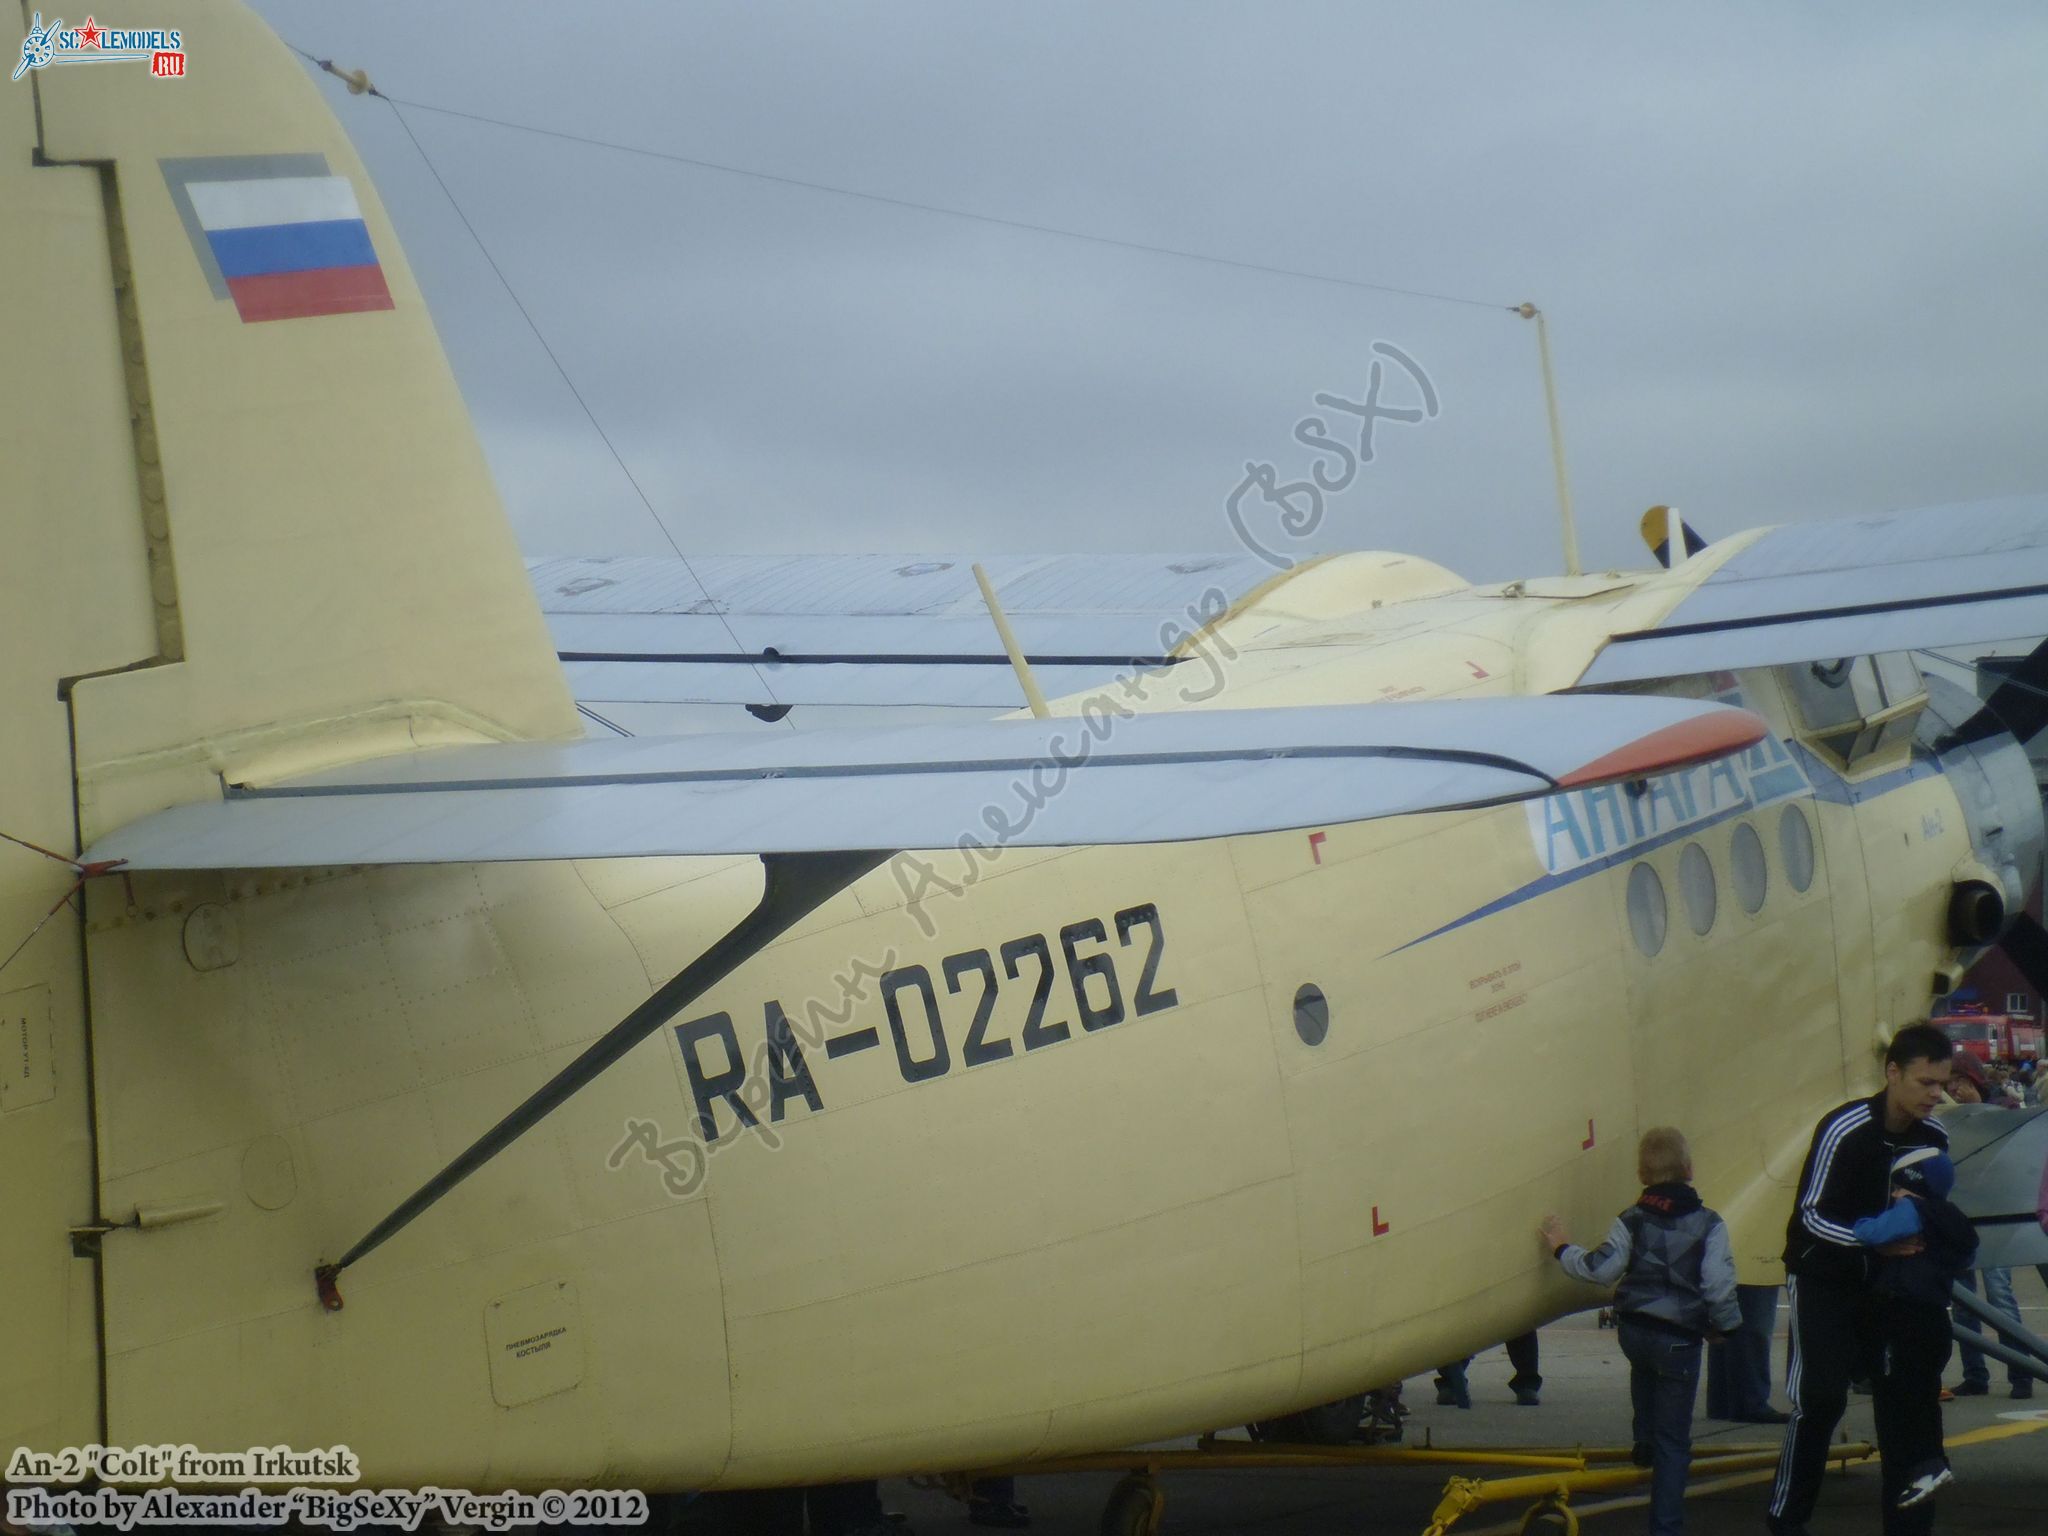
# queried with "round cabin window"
point(1795, 845)
point(1647, 917)
point(1311, 1014)
point(1752, 870)
point(1696, 884)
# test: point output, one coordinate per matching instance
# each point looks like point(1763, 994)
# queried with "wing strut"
point(2022, 1350)
point(796, 884)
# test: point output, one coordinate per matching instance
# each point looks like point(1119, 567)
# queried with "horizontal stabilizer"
point(1056, 782)
point(1964, 575)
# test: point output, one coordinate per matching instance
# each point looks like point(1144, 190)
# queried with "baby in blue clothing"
point(1921, 1180)
point(1910, 1287)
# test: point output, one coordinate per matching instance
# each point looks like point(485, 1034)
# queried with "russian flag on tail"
point(290, 246)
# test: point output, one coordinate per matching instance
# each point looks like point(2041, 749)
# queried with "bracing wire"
point(943, 211)
point(359, 83)
point(803, 184)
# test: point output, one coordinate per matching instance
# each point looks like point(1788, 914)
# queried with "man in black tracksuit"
point(1834, 1325)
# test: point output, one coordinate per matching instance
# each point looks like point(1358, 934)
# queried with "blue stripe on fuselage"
point(1830, 786)
point(1542, 885)
point(1826, 783)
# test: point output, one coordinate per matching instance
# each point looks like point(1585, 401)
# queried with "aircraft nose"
point(1995, 782)
point(1998, 790)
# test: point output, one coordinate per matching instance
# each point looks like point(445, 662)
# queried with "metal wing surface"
point(833, 634)
point(1037, 783)
point(1999, 1155)
point(1958, 575)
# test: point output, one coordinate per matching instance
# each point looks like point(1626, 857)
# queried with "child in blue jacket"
point(1668, 1258)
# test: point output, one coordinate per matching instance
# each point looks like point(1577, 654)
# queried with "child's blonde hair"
point(1662, 1156)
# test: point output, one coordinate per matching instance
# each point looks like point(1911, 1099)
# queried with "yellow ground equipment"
point(1547, 1477)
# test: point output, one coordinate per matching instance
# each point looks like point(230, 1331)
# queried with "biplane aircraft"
point(401, 1067)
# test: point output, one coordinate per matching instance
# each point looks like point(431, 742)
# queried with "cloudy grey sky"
point(1793, 259)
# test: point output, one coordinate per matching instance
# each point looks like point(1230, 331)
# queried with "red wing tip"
point(1675, 746)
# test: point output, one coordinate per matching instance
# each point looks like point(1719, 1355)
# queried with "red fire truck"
point(1992, 1036)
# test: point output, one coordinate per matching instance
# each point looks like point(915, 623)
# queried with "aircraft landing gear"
point(1135, 1507)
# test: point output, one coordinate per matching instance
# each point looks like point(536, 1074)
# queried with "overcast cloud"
point(1793, 260)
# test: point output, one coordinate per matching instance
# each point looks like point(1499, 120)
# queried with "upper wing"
point(844, 638)
point(1058, 782)
point(1958, 575)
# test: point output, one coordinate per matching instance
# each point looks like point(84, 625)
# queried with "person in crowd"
point(2000, 1086)
point(1739, 1366)
point(1966, 1085)
point(1454, 1391)
point(992, 1502)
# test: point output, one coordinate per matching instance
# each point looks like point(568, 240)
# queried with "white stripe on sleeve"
point(1809, 1196)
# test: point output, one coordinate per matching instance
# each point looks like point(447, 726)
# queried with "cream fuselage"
point(1147, 1205)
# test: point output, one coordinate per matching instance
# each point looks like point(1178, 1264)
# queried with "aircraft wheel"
point(1135, 1507)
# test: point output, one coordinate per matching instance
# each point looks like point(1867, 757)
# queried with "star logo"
point(89, 34)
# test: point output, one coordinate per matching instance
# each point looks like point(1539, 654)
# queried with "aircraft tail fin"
point(291, 518)
point(1669, 537)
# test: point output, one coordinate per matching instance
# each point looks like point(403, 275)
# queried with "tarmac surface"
point(1997, 1446)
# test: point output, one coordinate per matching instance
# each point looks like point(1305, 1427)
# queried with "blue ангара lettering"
point(1588, 826)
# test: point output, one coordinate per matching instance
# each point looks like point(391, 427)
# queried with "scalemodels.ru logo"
point(161, 48)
